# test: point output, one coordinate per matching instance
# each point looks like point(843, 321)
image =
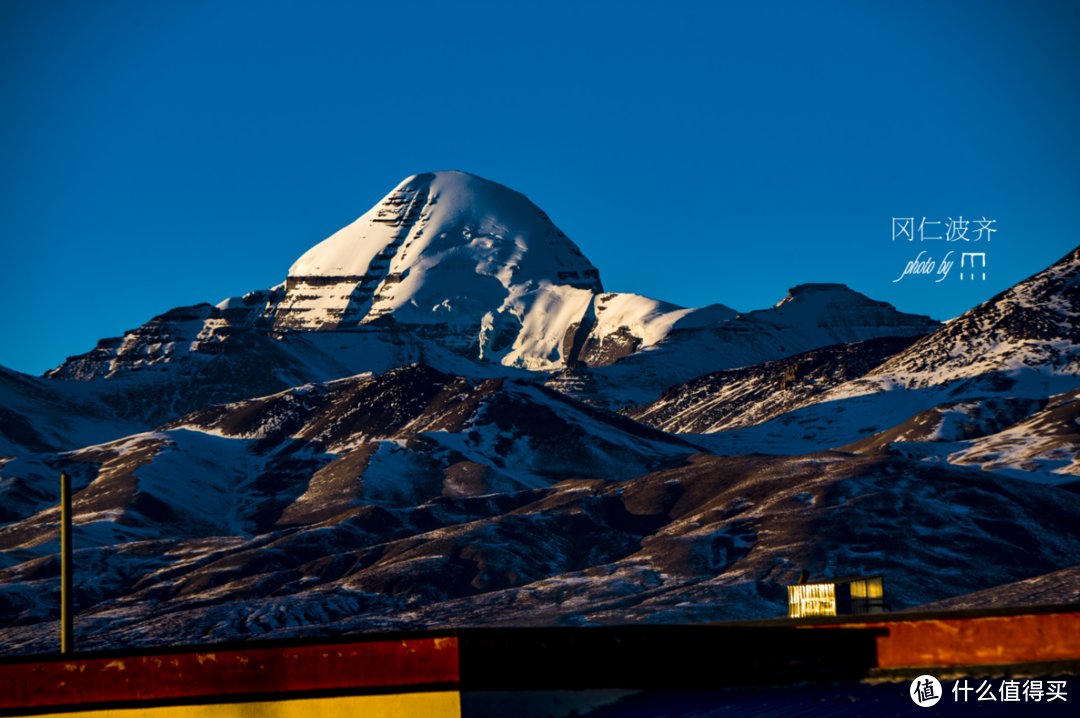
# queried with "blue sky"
point(164, 154)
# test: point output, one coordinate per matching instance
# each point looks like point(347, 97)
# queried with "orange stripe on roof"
point(987, 640)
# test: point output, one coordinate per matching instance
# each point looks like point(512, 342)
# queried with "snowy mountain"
point(307, 454)
point(442, 247)
point(451, 260)
point(810, 317)
point(203, 355)
point(1028, 334)
point(1047, 441)
point(38, 415)
point(411, 431)
point(463, 275)
point(992, 388)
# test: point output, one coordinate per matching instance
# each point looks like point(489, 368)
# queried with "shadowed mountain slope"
point(734, 398)
point(716, 539)
point(1053, 588)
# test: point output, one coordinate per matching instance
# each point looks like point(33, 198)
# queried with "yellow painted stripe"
point(444, 704)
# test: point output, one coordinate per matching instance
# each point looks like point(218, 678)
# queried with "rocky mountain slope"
point(718, 538)
point(734, 398)
point(197, 357)
point(400, 438)
point(1038, 440)
point(38, 415)
point(1027, 335)
point(1053, 588)
point(956, 394)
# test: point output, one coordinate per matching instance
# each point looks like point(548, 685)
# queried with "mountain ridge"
point(293, 462)
point(507, 306)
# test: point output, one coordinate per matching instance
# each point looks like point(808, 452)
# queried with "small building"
point(853, 595)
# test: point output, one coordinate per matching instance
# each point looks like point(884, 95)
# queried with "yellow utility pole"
point(67, 622)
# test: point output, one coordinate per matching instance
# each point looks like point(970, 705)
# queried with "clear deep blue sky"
point(160, 154)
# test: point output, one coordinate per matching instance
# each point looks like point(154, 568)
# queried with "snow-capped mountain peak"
point(442, 247)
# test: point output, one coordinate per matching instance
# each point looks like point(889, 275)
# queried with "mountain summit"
point(468, 277)
point(472, 266)
point(442, 247)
